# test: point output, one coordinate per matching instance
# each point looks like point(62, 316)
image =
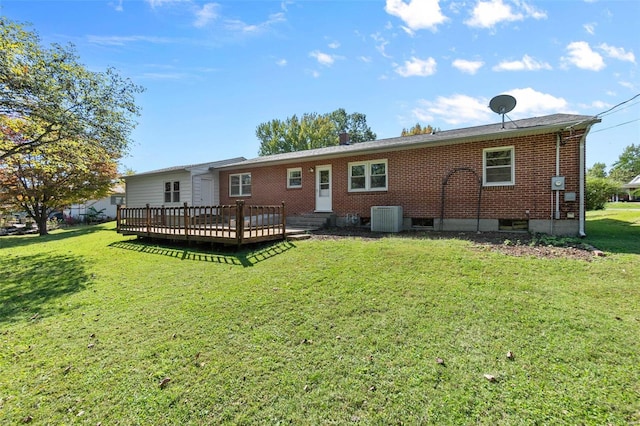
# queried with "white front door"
point(206, 198)
point(323, 189)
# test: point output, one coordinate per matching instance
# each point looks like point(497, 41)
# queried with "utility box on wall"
point(557, 183)
point(386, 218)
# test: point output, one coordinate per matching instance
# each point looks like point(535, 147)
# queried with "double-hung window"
point(172, 192)
point(240, 185)
point(368, 176)
point(498, 166)
point(294, 178)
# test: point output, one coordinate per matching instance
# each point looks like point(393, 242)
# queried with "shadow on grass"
point(615, 236)
point(246, 257)
point(13, 241)
point(30, 283)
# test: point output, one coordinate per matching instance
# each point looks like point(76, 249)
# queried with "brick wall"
point(415, 181)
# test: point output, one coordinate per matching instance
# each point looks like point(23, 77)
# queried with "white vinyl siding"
point(498, 166)
point(368, 176)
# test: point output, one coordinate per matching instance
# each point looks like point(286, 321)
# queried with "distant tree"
point(355, 125)
point(52, 176)
point(599, 191)
point(628, 165)
point(417, 130)
point(311, 131)
point(59, 98)
point(598, 170)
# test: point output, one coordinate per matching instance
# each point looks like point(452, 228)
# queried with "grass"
point(318, 332)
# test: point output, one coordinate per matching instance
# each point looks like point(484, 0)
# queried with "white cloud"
point(159, 3)
point(582, 56)
point(242, 27)
point(453, 110)
point(334, 45)
point(463, 109)
point(206, 14)
point(618, 53)
point(281, 62)
point(122, 40)
point(486, 14)
point(417, 67)
point(417, 14)
point(590, 28)
point(469, 67)
point(526, 64)
point(366, 59)
point(531, 103)
point(323, 58)
point(381, 44)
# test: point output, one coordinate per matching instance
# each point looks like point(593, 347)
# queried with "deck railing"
point(231, 224)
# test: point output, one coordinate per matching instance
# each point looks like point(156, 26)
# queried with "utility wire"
point(616, 106)
point(617, 125)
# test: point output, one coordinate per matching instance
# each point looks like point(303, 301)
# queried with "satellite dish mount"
point(502, 104)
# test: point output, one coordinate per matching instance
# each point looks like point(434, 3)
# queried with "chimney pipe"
point(344, 138)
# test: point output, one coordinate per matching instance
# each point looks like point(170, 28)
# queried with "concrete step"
point(309, 221)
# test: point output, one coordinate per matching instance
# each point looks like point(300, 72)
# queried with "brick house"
point(523, 175)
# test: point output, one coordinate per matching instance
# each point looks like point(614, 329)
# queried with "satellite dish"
point(502, 104)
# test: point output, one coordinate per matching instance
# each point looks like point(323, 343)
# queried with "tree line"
point(602, 186)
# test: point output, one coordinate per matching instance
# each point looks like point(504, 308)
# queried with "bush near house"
point(599, 191)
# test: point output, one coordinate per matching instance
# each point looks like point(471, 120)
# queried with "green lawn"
point(318, 332)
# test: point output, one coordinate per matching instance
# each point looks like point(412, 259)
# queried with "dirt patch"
point(508, 243)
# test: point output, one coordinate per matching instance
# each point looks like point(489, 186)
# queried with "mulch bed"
point(508, 243)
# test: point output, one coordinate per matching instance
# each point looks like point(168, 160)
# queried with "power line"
point(617, 125)
point(616, 106)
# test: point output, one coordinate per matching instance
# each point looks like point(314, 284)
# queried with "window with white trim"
point(368, 176)
point(498, 166)
point(240, 185)
point(294, 178)
point(172, 192)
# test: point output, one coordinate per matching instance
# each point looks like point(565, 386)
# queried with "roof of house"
point(208, 165)
point(635, 183)
point(545, 124)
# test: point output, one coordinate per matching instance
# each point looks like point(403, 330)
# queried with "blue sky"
point(213, 71)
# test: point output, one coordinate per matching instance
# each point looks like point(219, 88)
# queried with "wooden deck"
point(226, 224)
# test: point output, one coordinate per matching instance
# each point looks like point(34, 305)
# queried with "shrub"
point(599, 190)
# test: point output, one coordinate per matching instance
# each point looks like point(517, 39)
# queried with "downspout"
point(557, 212)
point(581, 215)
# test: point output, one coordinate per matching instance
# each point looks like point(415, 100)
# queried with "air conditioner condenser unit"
point(386, 218)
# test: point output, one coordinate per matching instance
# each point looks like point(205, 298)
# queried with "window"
point(368, 176)
point(117, 200)
point(498, 165)
point(294, 178)
point(172, 192)
point(240, 185)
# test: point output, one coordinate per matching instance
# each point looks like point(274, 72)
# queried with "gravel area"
point(507, 243)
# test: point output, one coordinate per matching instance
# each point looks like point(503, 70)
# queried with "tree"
point(628, 165)
point(50, 177)
point(598, 170)
point(355, 125)
point(311, 131)
point(417, 130)
point(599, 191)
point(59, 97)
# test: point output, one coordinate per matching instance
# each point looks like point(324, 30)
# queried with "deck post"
point(284, 223)
point(186, 220)
point(239, 221)
point(118, 217)
point(148, 220)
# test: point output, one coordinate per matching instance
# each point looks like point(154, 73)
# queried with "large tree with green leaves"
point(598, 170)
point(311, 131)
point(628, 165)
point(59, 98)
